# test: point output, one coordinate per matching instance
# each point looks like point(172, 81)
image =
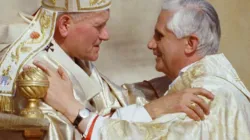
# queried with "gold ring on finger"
point(193, 104)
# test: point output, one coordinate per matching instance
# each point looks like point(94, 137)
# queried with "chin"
point(94, 58)
point(159, 68)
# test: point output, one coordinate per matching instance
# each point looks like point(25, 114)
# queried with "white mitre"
point(35, 38)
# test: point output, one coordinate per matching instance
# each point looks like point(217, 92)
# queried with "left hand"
point(185, 101)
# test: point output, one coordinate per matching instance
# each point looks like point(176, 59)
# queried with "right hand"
point(185, 101)
point(60, 93)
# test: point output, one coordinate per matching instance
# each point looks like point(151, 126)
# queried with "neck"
point(185, 63)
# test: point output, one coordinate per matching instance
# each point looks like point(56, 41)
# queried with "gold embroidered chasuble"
point(229, 117)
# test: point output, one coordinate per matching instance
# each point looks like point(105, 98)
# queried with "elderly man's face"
point(167, 48)
point(86, 36)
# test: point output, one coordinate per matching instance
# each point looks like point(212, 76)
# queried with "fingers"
point(202, 104)
point(196, 108)
point(26, 67)
point(205, 93)
point(42, 66)
point(191, 114)
point(62, 73)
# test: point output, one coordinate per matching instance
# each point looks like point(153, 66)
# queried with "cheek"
point(88, 34)
point(168, 53)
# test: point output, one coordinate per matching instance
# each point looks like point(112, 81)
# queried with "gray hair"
point(76, 16)
point(195, 17)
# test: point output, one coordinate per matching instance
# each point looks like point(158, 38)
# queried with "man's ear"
point(191, 44)
point(64, 22)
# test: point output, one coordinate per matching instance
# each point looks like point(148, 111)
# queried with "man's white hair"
point(76, 16)
point(195, 17)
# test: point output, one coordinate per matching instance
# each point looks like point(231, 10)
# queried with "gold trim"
point(57, 8)
point(53, 2)
point(67, 4)
point(91, 8)
point(93, 2)
point(6, 104)
point(34, 84)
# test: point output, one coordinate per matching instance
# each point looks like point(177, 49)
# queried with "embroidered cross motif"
point(49, 47)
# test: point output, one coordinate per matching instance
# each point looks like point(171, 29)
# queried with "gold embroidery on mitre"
point(53, 2)
point(55, 7)
point(45, 20)
point(94, 2)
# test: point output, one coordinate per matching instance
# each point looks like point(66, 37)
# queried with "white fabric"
point(9, 33)
point(89, 125)
point(229, 111)
point(132, 113)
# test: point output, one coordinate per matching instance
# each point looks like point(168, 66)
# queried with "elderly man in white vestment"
point(68, 33)
point(185, 43)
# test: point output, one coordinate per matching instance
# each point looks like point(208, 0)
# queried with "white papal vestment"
point(229, 117)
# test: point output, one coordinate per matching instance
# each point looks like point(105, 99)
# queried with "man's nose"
point(152, 44)
point(104, 35)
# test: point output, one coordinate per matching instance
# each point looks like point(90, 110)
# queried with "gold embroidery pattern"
point(93, 2)
point(6, 71)
point(44, 22)
point(53, 2)
point(25, 49)
point(184, 81)
point(54, 7)
point(15, 56)
point(147, 131)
